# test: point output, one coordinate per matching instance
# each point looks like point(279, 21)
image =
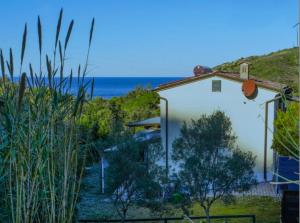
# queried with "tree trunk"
point(207, 215)
point(124, 216)
point(123, 219)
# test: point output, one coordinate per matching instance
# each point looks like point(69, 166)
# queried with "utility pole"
point(167, 135)
point(297, 30)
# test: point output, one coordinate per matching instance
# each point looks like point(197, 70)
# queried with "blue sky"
point(153, 37)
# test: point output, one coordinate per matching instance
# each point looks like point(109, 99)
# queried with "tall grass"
point(286, 138)
point(41, 159)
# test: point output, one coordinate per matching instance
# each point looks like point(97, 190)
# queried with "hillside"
point(280, 66)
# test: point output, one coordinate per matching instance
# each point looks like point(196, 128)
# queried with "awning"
point(141, 136)
point(150, 122)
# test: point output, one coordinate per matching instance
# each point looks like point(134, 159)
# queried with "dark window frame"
point(216, 86)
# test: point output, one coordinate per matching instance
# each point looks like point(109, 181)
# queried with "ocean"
point(108, 87)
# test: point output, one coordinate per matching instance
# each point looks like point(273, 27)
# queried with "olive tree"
point(132, 175)
point(211, 166)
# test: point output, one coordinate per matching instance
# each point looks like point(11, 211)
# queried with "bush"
point(286, 135)
point(98, 114)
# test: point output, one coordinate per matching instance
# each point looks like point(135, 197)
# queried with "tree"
point(286, 135)
point(136, 105)
point(97, 114)
point(211, 167)
point(141, 103)
point(130, 177)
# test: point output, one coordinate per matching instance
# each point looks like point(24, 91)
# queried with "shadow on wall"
point(175, 125)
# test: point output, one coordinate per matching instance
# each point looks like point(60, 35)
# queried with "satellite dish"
point(249, 89)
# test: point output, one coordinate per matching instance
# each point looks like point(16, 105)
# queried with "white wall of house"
point(190, 101)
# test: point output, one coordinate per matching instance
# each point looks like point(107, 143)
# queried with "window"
point(216, 86)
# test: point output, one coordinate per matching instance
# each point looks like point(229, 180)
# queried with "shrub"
point(286, 135)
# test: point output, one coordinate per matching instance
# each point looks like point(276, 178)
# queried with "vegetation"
point(132, 175)
point(211, 168)
point(45, 133)
point(136, 105)
point(286, 136)
point(281, 66)
point(41, 159)
point(99, 116)
point(266, 209)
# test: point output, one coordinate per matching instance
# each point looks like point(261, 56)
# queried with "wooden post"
point(102, 175)
point(265, 141)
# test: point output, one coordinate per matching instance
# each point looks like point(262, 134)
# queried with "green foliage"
point(136, 105)
point(177, 198)
point(211, 168)
point(266, 209)
point(286, 135)
point(41, 157)
point(102, 119)
point(281, 66)
point(140, 104)
point(131, 177)
point(96, 114)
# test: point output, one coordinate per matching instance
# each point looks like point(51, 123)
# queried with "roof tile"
point(228, 75)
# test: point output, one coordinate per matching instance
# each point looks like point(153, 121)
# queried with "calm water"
point(108, 87)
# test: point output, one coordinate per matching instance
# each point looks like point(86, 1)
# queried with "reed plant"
point(286, 137)
point(41, 159)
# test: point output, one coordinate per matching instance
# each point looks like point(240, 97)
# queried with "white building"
point(252, 116)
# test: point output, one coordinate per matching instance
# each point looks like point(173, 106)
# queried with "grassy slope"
point(92, 205)
point(280, 66)
point(266, 209)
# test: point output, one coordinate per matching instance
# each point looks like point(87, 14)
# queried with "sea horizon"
point(109, 87)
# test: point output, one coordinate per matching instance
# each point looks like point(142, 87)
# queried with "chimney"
point(244, 71)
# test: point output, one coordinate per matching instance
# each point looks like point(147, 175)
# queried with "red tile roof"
point(228, 75)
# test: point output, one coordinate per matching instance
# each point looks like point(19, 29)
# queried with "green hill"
point(280, 66)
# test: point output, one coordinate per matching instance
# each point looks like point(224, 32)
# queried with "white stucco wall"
point(191, 100)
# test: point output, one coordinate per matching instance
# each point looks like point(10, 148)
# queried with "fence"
point(166, 220)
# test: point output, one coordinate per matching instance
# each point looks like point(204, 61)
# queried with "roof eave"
point(215, 73)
